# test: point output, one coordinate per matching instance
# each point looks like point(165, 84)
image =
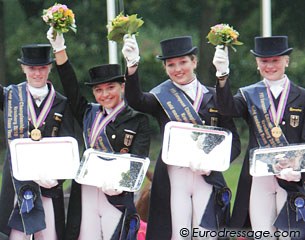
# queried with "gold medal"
point(276, 132)
point(36, 134)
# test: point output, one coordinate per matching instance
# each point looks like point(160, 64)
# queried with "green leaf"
point(116, 35)
point(238, 43)
point(122, 25)
point(214, 39)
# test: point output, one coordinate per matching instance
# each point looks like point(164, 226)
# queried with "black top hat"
point(271, 46)
point(104, 74)
point(36, 55)
point(177, 47)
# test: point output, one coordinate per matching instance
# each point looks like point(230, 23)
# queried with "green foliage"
point(163, 19)
point(122, 25)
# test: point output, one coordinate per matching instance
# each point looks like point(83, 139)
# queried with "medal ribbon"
point(100, 122)
point(199, 97)
point(37, 122)
point(277, 115)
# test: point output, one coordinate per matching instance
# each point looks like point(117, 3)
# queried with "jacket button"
point(113, 136)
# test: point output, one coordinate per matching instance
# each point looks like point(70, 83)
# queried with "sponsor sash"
point(95, 123)
point(26, 217)
point(264, 115)
point(16, 114)
point(176, 105)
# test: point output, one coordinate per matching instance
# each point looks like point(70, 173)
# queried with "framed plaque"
point(125, 171)
point(48, 158)
point(270, 161)
point(186, 142)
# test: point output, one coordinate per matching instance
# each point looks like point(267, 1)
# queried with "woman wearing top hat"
point(274, 110)
point(33, 109)
point(181, 197)
point(104, 212)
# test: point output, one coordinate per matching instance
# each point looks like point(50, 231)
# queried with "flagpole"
point(112, 46)
point(266, 18)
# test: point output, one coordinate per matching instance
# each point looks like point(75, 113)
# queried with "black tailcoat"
point(65, 128)
point(237, 107)
point(159, 220)
point(128, 119)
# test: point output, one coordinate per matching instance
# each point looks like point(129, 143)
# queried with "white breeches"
point(266, 201)
point(189, 196)
point(99, 217)
point(49, 233)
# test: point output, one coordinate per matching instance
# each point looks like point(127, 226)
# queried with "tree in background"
point(2, 43)
point(21, 23)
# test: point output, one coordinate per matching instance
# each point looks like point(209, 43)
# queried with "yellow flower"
point(123, 19)
point(68, 13)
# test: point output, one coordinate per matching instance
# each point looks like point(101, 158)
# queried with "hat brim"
point(286, 52)
point(97, 81)
point(191, 51)
point(35, 64)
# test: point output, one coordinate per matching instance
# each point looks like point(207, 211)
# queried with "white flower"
point(50, 15)
point(45, 18)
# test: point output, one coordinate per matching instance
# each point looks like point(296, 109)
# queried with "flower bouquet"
point(223, 34)
point(60, 17)
point(122, 25)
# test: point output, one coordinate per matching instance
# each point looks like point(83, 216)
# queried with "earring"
point(258, 68)
point(286, 65)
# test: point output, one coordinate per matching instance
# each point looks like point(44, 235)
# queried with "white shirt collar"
point(190, 89)
point(276, 87)
point(39, 94)
point(277, 83)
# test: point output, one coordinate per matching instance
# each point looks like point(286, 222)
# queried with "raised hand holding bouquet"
point(122, 25)
point(60, 18)
point(223, 34)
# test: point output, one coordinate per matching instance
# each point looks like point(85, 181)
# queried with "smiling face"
point(272, 68)
point(109, 95)
point(181, 69)
point(37, 76)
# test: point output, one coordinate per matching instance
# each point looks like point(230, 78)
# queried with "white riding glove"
point(196, 167)
point(290, 175)
point(130, 50)
point(108, 188)
point(221, 61)
point(46, 183)
point(58, 44)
